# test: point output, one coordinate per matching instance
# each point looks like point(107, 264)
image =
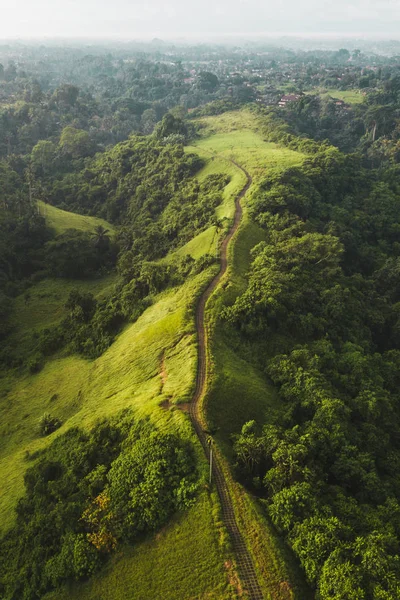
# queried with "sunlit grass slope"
point(60, 220)
point(236, 135)
point(184, 560)
point(207, 241)
point(239, 392)
point(81, 391)
point(186, 556)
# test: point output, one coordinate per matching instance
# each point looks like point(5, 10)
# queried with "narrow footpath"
point(244, 561)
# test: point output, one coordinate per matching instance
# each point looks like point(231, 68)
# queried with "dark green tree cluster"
point(23, 235)
point(88, 493)
point(322, 307)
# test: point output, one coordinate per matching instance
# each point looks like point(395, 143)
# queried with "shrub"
point(35, 364)
point(48, 423)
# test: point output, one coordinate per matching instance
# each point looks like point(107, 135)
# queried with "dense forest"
point(322, 306)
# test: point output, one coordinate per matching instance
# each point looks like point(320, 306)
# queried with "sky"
point(144, 19)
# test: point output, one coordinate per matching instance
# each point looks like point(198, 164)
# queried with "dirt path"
point(244, 561)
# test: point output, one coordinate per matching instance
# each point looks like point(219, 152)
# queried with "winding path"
point(244, 560)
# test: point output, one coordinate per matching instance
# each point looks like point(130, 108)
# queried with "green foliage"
point(76, 255)
point(149, 188)
point(75, 142)
point(148, 483)
point(86, 492)
point(35, 364)
point(43, 156)
point(170, 126)
point(321, 306)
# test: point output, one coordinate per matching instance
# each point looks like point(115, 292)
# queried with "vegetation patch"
point(87, 493)
point(350, 96)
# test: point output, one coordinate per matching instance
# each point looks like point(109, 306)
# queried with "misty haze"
point(126, 20)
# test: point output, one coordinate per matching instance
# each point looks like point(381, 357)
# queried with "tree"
point(207, 81)
point(81, 306)
point(249, 450)
point(43, 156)
point(340, 579)
point(66, 95)
point(101, 237)
point(292, 505)
point(48, 423)
point(75, 142)
point(314, 540)
point(170, 125)
point(148, 120)
point(148, 483)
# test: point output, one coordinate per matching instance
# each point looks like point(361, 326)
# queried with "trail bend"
point(244, 560)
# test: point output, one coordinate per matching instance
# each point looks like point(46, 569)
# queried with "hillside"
point(60, 220)
point(302, 354)
point(149, 368)
point(239, 391)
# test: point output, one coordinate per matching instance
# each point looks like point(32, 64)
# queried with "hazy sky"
point(169, 18)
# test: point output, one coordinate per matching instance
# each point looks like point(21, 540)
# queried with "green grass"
point(215, 165)
point(349, 96)
point(207, 241)
point(186, 557)
point(182, 561)
point(239, 391)
point(60, 220)
point(127, 375)
point(45, 305)
point(234, 135)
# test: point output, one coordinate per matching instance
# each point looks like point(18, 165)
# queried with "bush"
point(48, 423)
point(35, 364)
point(51, 340)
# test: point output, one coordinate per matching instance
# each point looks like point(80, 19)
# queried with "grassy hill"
point(60, 220)
point(349, 96)
point(234, 135)
point(127, 375)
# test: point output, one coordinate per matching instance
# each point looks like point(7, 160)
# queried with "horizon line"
point(178, 37)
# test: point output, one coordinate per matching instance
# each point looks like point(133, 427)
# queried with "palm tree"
point(101, 237)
